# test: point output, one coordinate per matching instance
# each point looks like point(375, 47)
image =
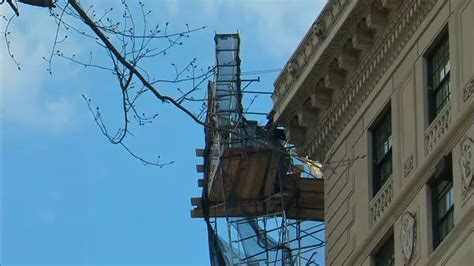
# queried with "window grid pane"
point(442, 96)
point(382, 153)
point(385, 168)
point(386, 255)
point(446, 223)
point(439, 77)
point(442, 201)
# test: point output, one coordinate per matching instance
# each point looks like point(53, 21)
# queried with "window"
point(442, 200)
point(386, 255)
point(381, 150)
point(439, 91)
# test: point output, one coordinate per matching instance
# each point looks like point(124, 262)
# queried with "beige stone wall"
point(390, 67)
point(352, 231)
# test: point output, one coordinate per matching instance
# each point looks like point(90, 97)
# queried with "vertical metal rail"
point(284, 233)
point(225, 113)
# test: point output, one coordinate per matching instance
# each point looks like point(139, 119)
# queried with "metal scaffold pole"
point(251, 182)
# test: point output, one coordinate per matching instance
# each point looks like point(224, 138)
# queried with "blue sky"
point(71, 198)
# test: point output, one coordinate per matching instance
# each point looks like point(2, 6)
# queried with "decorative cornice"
point(306, 50)
point(311, 50)
point(370, 70)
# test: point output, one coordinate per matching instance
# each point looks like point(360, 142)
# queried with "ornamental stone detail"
point(468, 90)
point(371, 68)
point(381, 201)
point(409, 165)
point(467, 165)
point(408, 236)
point(293, 69)
point(377, 58)
point(437, 129)
point(319, 31)
point(313, 40)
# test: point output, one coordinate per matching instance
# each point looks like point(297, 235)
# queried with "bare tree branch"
point(127, 43)
point(88, 21)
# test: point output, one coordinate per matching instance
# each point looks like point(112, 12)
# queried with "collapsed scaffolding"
point(270, 207)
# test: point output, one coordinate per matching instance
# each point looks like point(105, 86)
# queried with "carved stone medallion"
point(408, 236)
point(467, 165)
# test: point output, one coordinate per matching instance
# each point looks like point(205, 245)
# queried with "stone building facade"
point(381, 92)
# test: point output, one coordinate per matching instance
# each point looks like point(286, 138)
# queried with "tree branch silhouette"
point(127, 43)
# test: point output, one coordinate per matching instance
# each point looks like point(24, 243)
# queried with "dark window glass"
point(439, 77)
point(442, 197)
point(385, 256)
point(382, 150)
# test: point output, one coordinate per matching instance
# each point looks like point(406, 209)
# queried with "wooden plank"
point(305, 208)
point(302, 214)
point(196, 201)
point(200, 168)
point(199, 152)
point(201, 182)
point(249, 176)
point(311, 185)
